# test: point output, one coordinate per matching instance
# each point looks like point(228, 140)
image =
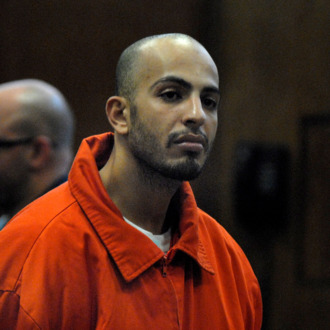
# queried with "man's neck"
point(144, 200)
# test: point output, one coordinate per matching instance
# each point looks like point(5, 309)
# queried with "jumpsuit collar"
point(132, 251)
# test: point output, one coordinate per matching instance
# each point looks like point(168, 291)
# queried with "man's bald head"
point(129, 62)
point(37, 108)
point(37, 113)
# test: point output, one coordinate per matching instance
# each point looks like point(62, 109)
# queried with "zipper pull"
point(164, 266)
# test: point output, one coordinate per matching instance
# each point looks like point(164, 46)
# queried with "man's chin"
point(187, 171)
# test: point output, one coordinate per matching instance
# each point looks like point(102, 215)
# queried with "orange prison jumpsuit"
point(70, 261)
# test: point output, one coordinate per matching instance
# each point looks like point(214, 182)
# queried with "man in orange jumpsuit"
point(123, 244)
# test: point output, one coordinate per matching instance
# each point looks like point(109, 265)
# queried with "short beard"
point(144, 146)
point(183, 171)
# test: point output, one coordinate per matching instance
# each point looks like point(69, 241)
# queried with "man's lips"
point(191, 142)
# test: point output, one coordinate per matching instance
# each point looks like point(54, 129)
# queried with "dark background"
point(273, 58)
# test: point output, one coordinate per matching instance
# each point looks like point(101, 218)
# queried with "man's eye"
point(209, 103)
point(170, 96)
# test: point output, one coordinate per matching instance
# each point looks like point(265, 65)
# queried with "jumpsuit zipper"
point(164, 266)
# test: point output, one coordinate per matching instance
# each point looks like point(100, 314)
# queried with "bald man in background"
point(36, 137)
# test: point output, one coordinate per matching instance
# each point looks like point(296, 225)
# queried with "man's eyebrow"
point(172, 79)
point(184, 83)
point(211, 89)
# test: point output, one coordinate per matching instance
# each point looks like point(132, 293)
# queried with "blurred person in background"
point(36, 137)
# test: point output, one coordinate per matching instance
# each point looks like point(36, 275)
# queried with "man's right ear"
point(117, 109)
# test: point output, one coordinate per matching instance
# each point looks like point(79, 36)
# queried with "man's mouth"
point(191, 142)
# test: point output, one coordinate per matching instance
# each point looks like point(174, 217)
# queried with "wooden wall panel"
point(276, 69)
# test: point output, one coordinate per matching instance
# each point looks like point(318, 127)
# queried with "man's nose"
point(194, 114)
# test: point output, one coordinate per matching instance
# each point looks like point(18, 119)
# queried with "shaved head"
point(40, 109)
point(130, 62)
point(36, 112)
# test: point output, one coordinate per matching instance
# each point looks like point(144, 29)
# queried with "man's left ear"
point(117, 109)
point(40, 152)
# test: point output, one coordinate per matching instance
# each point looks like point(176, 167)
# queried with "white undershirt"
point(163, 241)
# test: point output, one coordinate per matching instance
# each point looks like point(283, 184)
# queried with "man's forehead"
point(154, 43)
point(10, 98)
point(168, 48)
point(182, 58)
point(10, 110)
